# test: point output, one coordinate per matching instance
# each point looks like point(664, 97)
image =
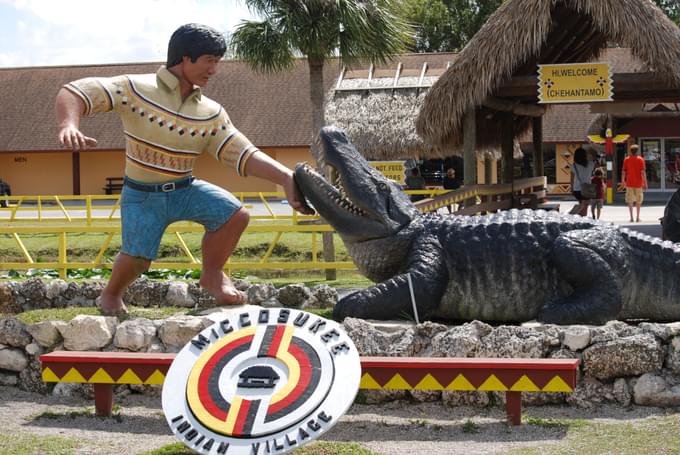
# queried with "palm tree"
point(353, 30)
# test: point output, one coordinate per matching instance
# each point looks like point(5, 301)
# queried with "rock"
point(425, 396)
point(176, 331)
point(30, 378)
point(178, 295)
point(88, 333)
point(662, 331)
point(652, 390)
point(461, 341)
point(628, 356)
point(293, 295)
point(68, 389)
point(201, 297)
point(259, 293)
point(8, 301)
point(8, 379)
point(33, 349)
point(54, 288)
point(576, 337)
point(372, 342)
point(12, 359)
point(513, 342)
point(589, 392)
point(621, 392)
point(611, 331)
point(135, 334)
point(323, 296)
point(34, 293)
point(145, 293)
point(13, 332)
point(46, 333)
point(477, 399)
point(90, 290)
point(381, 396)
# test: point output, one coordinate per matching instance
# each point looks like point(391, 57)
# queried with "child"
point(601, 187)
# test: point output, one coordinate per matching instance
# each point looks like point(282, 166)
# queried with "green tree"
point(353, 30)
point(446, 25)
point(671, 8)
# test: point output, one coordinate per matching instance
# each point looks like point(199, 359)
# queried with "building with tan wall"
point(274, 111)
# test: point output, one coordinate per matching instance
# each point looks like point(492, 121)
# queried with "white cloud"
point(48, 32)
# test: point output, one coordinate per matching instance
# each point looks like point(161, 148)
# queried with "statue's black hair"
point(194, 40)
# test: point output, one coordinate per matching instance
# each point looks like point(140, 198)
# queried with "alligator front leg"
point(590, 262)
point(391, 299)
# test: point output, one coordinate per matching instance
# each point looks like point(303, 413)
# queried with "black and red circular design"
point(262, 376)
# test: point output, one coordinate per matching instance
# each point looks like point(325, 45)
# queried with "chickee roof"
point(524, 33)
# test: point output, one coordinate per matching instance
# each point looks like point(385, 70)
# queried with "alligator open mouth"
point(361, 204)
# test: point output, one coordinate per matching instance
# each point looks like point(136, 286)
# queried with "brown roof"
point(524, 33)
point(273, 111)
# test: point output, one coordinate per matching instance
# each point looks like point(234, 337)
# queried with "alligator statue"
point(512, 266)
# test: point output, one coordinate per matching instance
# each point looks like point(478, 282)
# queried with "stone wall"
point(621, 363)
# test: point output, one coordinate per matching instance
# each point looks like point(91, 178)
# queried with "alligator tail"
point(653, 290)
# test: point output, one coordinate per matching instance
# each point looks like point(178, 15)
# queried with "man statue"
point(168, 123)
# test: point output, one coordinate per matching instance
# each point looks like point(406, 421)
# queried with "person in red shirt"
point(634, 179)
point(600, 188)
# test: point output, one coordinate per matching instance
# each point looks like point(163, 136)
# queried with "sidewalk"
point(619, 214)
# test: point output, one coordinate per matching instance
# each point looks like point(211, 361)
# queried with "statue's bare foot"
point(221, 287)
point(111, 306)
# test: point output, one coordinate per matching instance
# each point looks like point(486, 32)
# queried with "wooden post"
point(537, 128)
point(103, 399)
point(488, 170)
point(470, 152)
point(75, 164)
point(470, 148)
point(513, 407)
point(507, 146)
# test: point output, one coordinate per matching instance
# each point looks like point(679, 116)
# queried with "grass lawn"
point(292, 246)
point(655, 435)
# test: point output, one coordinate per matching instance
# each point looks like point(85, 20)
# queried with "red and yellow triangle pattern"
point(468, 379)
point(107, 374)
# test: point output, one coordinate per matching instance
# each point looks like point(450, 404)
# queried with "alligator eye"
point(382, 186)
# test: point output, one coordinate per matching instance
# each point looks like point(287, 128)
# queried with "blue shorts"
point(145, 215)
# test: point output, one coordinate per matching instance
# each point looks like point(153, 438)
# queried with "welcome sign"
point(575, 83)
point(261, 381)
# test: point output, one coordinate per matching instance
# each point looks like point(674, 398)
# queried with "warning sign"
point(393, 170)
point(575, 83)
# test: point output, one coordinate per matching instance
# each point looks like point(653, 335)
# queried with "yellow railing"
point(101, 208)
point(63, 263)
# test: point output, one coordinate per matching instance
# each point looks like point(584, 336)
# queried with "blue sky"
point(73, 32)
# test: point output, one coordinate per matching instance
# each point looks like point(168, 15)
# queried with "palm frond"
point(263, 46)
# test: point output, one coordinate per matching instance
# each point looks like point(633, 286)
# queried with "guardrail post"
point(62, 256)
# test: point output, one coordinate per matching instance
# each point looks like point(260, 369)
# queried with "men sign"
point(574, 83)
point(261, 381)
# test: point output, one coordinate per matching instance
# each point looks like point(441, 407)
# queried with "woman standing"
point(581, 172)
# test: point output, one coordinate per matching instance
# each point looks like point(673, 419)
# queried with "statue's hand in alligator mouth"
point(297, 199)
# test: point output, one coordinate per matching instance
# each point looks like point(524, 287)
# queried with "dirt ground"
point(393, 428)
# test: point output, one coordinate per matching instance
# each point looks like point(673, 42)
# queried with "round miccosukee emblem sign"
point(261, 381)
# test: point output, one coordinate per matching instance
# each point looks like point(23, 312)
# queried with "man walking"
point(168, 123)
point(635, 180)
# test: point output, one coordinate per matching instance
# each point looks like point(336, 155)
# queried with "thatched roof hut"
point(377, 106)
point(522, 34)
